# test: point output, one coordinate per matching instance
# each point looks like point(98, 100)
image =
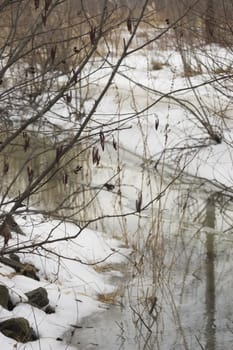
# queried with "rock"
point(14, 257)
point(16, 265)
point(4, 296)
point(38, 297)
point(27, 270)
point(19, 329)
point(5, 300)
point(49, 310)
point(5, 232)
point(12, 224)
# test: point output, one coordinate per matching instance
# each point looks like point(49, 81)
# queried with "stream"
point(186, 303)
point(177, 283)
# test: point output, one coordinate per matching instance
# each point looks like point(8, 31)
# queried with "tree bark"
point(210, 22)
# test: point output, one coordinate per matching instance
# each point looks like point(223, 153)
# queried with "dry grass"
point(158, 65)
point(102, 268)
point(190, 71)
point(222, 70)
point(111, 298)
point(60, 43)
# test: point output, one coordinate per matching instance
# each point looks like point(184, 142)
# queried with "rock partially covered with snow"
point(38, 297)
point(19, 329)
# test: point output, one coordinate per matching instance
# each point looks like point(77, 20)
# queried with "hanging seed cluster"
point(95, 149)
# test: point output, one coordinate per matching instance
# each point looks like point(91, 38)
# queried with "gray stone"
point(4, 296)
point(38, 297)
point(49, 310)
point(19, 329)
point(14, 257)
point(27, 270)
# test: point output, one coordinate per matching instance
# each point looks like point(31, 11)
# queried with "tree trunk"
point(210, 22)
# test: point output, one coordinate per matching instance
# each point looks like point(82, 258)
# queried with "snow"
point(67, 266)
point(72, 286)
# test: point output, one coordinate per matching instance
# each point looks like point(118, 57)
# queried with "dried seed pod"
point(139, 202)
point(26, 141)
point(69, 97)
point(47, 4)
point(124, 44)
point(5, 232)
point(156, 122)
point(109, 187)
point(114, 143)
point(31, 70)
point(65, 179)
point(102, 140)
point(53, 53)
point(59, 150)
point(5, 167)
point(92, 35)
point(77, 169)
point(98, 159)
point(44, 19)
point(166, 129)
point(30, 173)
point(129, 25)
point(74, 78)
point(95, 156)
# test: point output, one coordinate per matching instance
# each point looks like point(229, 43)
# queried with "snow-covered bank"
point(187, 109)
point(66, 269)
